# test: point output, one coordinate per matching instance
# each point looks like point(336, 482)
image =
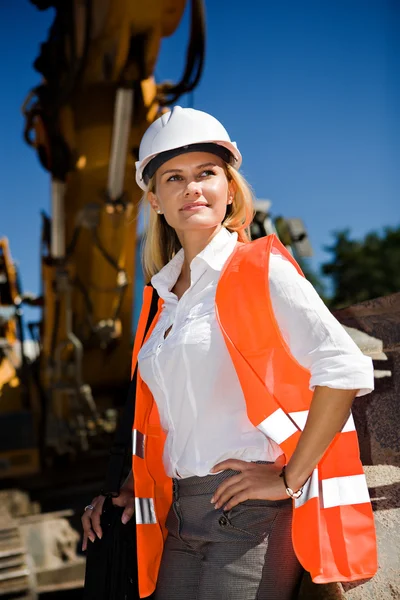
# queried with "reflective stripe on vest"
point(310, 489)
point(278, 426)
point(300, 418)
point(336, 491)
point(138, 443)
point(333, 531)
point(145, 511)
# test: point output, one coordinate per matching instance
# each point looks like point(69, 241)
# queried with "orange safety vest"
point(333, 529)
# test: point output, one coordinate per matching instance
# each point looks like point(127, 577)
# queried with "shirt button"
point(223, 521)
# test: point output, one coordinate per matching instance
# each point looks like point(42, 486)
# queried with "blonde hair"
point(160, 242)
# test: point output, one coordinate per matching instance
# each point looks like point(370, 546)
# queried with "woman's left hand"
point(254, 482)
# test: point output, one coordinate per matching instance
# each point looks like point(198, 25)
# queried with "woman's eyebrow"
point(207, 164)
point(171, 171)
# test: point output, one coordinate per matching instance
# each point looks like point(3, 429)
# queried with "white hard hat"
point(178, 131)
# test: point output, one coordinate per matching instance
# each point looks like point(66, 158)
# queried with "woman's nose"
point(193, 189)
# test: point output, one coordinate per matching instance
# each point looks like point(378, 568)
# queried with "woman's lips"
point(192, 206)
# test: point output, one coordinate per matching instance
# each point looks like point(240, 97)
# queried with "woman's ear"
point(232, 187)
point(153, 201)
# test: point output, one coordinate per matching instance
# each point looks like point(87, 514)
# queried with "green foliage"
point(366, 269)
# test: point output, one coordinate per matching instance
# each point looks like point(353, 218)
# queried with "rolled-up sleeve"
point(315, 338)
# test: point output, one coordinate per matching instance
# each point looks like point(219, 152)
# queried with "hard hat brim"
point(230, 146)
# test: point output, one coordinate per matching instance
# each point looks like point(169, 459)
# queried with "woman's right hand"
point(91, 517)
point(91, 520)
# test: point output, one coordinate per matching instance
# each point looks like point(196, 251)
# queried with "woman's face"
point(192, 191)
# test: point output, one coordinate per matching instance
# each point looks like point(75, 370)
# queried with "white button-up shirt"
point(192, 378)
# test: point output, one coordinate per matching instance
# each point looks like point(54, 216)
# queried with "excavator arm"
point(85, 120)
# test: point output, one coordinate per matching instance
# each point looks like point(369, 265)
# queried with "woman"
point(240, 349)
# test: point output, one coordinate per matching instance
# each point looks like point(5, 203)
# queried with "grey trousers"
point(243, 554)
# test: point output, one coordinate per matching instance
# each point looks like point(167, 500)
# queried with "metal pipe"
point(119, 143)
point(57, 219)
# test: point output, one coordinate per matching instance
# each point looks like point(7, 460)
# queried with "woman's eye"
point(207, 173)
point(174, 178)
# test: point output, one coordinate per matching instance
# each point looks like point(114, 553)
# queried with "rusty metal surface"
point(379, 317)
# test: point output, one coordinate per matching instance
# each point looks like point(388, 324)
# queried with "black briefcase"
point(111, 563)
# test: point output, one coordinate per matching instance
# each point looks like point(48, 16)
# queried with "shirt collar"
point(213, 256)
point(217, 251)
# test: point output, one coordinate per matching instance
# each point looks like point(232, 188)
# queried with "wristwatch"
point(289, 490)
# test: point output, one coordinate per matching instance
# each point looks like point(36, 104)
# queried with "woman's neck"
point(193, 242)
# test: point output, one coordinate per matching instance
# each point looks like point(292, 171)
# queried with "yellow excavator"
point(84, 120)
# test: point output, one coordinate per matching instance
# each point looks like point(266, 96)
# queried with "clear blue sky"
point(309, 89)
